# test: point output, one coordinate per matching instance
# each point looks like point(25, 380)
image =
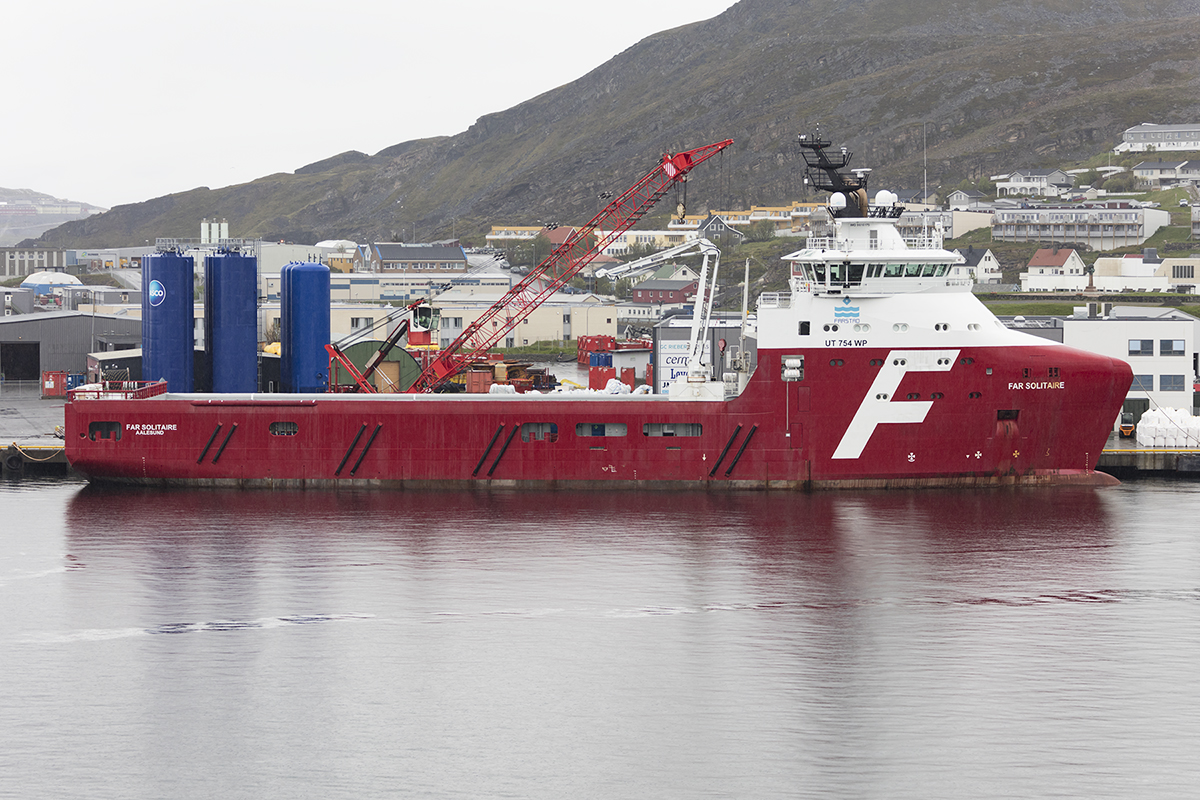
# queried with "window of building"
point(1141, 347)
point(601, 429)
point(357, 323)
point(1171, 383)
point(1142, 383)
point(1171, 347)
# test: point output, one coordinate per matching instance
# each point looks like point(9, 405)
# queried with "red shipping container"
point(54, 384)
point(598, 377)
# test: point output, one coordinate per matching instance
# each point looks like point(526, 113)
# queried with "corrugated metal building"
point(33, 343)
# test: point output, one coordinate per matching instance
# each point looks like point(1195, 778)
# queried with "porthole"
point(913, 396)
point(882, 396)
point(836, 362)
point(937, 396)
point(975, 395)
point(899, 362)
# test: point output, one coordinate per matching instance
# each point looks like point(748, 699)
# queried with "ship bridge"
point(869, 255)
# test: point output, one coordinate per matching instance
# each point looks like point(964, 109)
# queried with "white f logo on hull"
point(878, 408)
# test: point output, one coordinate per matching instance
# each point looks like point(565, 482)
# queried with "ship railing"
point(118, 390)
point(923, 242)
point(833, 243)
point(775, 300)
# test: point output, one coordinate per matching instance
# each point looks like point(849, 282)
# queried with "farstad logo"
point(158, 293)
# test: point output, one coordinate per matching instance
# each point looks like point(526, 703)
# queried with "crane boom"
point(563, 263)
point(635, 268)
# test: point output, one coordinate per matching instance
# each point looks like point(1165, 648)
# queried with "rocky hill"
point(25, 214)
point(992, 86)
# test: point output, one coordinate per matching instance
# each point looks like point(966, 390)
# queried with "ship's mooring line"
point(491, 444)
point(366, 447)
point(721, 457)
point(34, 459)
point(350, 450)
point(503, 450)
point(211, 439)
point(741, 449)
point(229, 436)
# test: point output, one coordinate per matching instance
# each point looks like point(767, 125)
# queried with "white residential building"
point(981, 266)
point(1101, 226)
point(1033, 183)
point(1148, 136)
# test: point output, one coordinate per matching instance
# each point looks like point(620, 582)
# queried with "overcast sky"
point(121, 101)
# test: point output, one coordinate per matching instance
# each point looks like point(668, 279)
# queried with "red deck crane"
point(561, 265)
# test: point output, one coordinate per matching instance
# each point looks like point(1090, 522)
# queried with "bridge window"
point(284, 429)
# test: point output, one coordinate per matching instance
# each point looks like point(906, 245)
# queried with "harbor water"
point(472, 644)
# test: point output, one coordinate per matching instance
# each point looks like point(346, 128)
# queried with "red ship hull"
point(994, 416)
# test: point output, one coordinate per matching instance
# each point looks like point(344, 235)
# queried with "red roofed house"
point(1054, 269)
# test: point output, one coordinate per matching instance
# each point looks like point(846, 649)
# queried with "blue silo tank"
point(231, 321)
point(167, 321)
point(304, 327)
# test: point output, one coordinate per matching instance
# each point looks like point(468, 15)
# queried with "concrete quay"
point(28, 441)
point(1125, 459)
